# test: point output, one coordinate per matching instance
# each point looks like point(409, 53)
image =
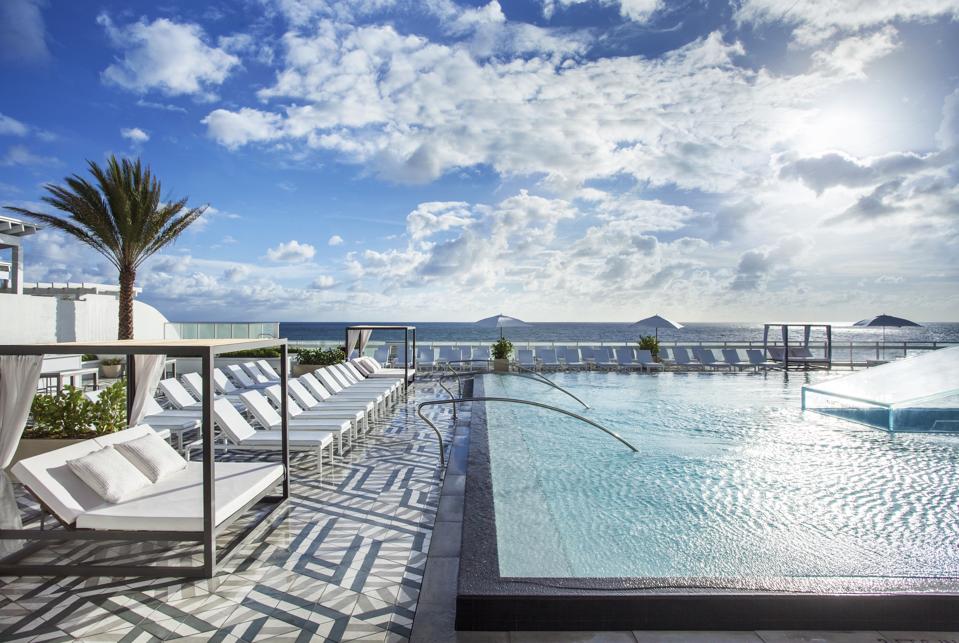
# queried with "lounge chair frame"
point(213, 560)
point(408, 333)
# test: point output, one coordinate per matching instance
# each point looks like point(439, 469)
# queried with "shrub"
point(502, 348)
point(321, 356)
point(255, 352)
point(112, 361)
point(70, 415)
point(651, 344)
point(88, 357)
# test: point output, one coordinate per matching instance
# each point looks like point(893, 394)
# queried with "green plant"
point(255, 352)
point(70, 415)
point(112, 361)
point(123, 215)
point(651, 344)
point(321, 356)
point(502, 348)
point(88, 357)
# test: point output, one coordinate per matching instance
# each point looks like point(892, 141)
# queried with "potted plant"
point(69, 417)
point(111, 368)
point(501, 351)
point(651, 344)
point(309, 359)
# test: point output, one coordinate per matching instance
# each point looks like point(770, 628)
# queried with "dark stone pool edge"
point(486, 601)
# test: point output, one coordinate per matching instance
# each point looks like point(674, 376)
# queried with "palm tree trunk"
point(125, 327)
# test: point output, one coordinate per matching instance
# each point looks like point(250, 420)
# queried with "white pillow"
point(372, 363)
point(362, 366)
point(109, 474)
point(152, 456)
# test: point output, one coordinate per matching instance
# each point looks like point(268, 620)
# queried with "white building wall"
point(27, 319)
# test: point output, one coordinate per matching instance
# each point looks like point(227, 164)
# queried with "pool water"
point(732, 480)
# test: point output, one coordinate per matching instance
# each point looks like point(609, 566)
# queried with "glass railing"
point(221, 330)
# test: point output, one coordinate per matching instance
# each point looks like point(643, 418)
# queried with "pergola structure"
point(11, 273)
point(207, 351)
point(362, 334)
point(807, 330)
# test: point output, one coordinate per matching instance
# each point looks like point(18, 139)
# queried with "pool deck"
point(346, 561)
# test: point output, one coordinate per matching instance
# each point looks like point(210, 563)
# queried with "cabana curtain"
point(148, 373)
point(364, 339)
point(19, 376)
point(351, 337)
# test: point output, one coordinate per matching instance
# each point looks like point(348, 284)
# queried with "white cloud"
point(233, 129)
point(948, 134)
point(817, 20)
point(210, 215)
point(323, 282)
point(291, 252)
point(20, 155)
point(135, 135)
point(12, 127)
point(637, 10)
point(335, 240)
point(166, 56)
point(23, 37)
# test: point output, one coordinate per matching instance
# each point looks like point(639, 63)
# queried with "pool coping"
point(487, 601)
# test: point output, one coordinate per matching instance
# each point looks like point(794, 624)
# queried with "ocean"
point(559, 332)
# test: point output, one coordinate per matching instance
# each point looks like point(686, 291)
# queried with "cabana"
point(360, 336)
point(800, 356)
point(169, 512)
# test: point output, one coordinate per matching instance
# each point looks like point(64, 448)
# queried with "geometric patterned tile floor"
point(342, 562)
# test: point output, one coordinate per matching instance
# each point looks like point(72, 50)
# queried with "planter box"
point(500, 365)
point(36, 446)
point(111, 372)
point(303, 369)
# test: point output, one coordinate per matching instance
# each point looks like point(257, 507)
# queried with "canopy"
point(501, 321)
point(657, 322)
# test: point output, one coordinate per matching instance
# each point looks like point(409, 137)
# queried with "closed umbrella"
point(501, 322)
point(657, 322)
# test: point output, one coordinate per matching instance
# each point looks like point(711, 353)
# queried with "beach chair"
point(588, 356)
point(267, 417)
point(758, 360)
point(447, 355)
point(382, 355)
point(524, 357)
point(682, 360)
point(240, 434)
point(177, 396)
point(268, 370)
point(241, 379)
point(645, 359)
point(706, 358)
point(666, 358)
point(547, 358)
point(604, 357)
point(358, 416)
point(480, 354)
point(626, 359)
point(305, 398)
point(571, 358)
point(258, 376)
point(425, 357)
point(732, 359)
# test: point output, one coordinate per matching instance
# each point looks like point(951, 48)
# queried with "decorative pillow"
point(109, 474)
point(372, 363)
point(362, 366)
point(152, 456)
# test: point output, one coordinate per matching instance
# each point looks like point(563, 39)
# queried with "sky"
point(556, 160)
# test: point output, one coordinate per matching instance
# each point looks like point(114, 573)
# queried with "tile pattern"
point(342, 562)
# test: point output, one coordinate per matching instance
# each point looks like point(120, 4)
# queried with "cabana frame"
point(807, 327)
point(207, 351)
point(408, 332)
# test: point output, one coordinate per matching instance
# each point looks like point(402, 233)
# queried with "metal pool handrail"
point(533, 375)
point(439, 437)
point(546, 380)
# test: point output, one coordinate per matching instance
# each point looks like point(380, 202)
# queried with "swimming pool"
point(732, 482)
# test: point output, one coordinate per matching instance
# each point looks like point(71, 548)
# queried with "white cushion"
point(372, 363)
point(152, 456)
point(51, 480)
point(109, 474)
point(361, 365)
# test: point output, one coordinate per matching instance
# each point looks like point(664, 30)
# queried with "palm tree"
point(122, 216)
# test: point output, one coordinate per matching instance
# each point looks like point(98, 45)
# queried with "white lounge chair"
point(706, 358)
point(322, 392)
point(681, 359)
point(371, 370)
point(758, 360)
point(588, 356)
point(604, 357)
point(176, 395)
point(258, 376)
point(732, 359)
point(305, 398)
point(267, 417)
point(174, 503)
point(340, 376)
point(268, 370)
point(547, 358)
point(645, 359)
point(358, 416)
point(382, 355)
point(572, 359)
point(524, 357)
point(241, 435)
point(425, 357)
point(243, 380)
point(480, 354)
point(626, 358)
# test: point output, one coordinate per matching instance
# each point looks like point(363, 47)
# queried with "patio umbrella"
point(657, 322)
point(501, 322)
point(883, 321)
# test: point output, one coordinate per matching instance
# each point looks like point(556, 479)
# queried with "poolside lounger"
point(258, 376)
point(384, 376)
point(777, 354)
point(758, 360)
point(305, 397)
point(645, 359)
point(241, 435)
point(480, 354)
point(356, 414)
point(382, 355)
point(604, 357)
point(665, 358)
point(425, 358)
point(174, 503)
point(339, 375)
point(625, 358)
point(323, 391)
point(732, 359)
point(547, 358)
point(571, 358)
point(371, 369)
point(707, 358)
point(243, 380)
point(268, 370)
point(178, 396)
point(524, 357)
point(588, 356)
point(222, 384)
point(447, 355)
point(681, 359)
point(267, 417)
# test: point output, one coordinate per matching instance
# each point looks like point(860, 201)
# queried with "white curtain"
point(351, 337)
point(148, 371)
point(364, 340)
point(19, 375)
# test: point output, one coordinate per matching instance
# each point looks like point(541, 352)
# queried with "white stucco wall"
point(26, 319)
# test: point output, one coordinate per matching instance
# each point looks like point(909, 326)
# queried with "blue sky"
point(553, 159)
